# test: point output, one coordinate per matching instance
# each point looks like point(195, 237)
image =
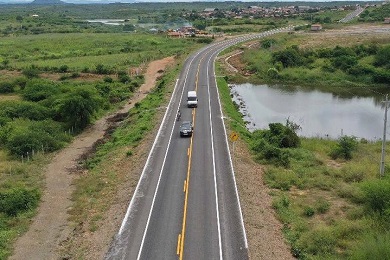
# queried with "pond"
point(108, 21)
point(320, 114)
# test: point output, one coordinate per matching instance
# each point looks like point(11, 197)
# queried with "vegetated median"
point(328, 194)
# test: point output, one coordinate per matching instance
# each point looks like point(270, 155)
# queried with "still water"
point(320, 114)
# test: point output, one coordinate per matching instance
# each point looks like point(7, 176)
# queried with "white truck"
point(192, 99)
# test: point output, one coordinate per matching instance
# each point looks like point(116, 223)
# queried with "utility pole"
point(382, 169)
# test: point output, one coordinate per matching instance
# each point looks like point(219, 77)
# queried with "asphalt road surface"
point(186, 204)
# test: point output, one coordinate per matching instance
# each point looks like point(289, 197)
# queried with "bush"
point(31, 72)
point(6, 87)
point(290, 57)
point(78, 107)
point(381, 76)
point(322, 206)
point(308, 211)
point(63, 68)
point(18, 200)
point(23, 109)
point(101, 69)
point(320, 241)
point(37, 91)
point(344, 62)
point(382, 58)
point(22, 136)
point(372, 246)
point(108, 79)
point(376, 196)
point(124, 78)
point(346, 145)
point(21, 82)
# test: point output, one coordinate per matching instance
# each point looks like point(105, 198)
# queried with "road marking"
point(178, 244)
point(187, 182)
point(185, 186)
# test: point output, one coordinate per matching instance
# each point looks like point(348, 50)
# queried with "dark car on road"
point(186, 128)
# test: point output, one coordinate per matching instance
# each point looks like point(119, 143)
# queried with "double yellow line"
point(181, 236)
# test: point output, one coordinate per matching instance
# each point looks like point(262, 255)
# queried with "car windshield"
point(186, 125)
point(191, 98)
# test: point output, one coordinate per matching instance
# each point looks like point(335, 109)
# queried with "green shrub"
point(101, 69)
point(322, 206)
point(24, 109)
point(63, 68)
point(280, 179)
point(6, 87)
point(382, 58)
point(22, 136)
point(381, 76)
point(39, 90)
point(18, 200)
point(78, 107)
point(108, 79)
point(123, 77)
point(344, 62)
point(377, 196)
point(345, 146)
point(308, 211)
point(320, 242)
point(31, 72)
point(290, 57)
point(21, 82)
point(372, 246)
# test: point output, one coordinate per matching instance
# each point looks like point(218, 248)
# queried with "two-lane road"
point(186, 204)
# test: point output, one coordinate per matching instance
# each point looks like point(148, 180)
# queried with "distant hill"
point(47, 2)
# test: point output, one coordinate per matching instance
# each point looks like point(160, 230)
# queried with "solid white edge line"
point(231, 163)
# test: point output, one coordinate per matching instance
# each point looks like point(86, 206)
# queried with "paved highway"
point(186, 204)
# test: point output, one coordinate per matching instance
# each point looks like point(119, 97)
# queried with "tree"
point(78, 107)
point(38, 90)
point(289, 57)
point(382, 58)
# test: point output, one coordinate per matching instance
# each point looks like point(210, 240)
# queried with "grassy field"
point(85, 51)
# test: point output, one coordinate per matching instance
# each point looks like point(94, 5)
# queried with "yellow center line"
point(178, 244)
point(183, 231)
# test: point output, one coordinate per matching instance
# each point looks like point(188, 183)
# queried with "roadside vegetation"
point(284, 60)
point(52, 86)
point(328, 194)
point(59, 73)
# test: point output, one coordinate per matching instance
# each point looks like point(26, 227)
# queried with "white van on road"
point(192, 99)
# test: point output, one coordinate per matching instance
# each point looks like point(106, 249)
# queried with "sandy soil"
point(50, 229)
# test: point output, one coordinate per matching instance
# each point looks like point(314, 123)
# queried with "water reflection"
point(320, 114)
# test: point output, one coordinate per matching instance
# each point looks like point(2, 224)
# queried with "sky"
point(131, 1)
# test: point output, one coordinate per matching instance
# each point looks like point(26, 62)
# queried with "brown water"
point(319, 114)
